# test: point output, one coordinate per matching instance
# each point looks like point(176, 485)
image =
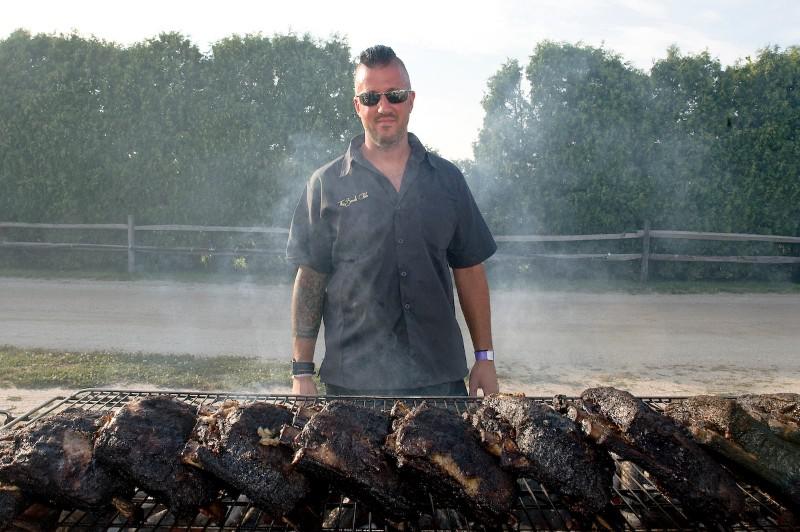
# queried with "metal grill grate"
point(637, 504)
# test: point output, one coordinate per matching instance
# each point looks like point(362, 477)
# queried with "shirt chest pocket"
point(438, 218)
point(359, 230)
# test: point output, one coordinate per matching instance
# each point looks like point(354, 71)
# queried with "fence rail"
point(645, 256)
point(692, 235)
point(567, 238)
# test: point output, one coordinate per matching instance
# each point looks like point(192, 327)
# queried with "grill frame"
point(639, 505)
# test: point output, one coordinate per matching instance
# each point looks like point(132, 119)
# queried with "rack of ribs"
point(725, 426)
point(534, 440)
point(439, 448)
point(239, 444)
point(51, 459)
point(779, 411)
point(12, 502)
point(343, 443)
point(627, 427)
point(143, 441)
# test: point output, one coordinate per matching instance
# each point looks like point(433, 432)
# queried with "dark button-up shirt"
point(389, 314)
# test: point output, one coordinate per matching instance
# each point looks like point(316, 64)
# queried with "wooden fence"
point(646, 235)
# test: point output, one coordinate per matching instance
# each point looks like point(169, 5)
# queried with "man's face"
point(385, 124)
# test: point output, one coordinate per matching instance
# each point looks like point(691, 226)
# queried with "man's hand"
point(483, 376)
point(304, 386)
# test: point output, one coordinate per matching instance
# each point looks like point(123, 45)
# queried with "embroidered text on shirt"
point(349, 201)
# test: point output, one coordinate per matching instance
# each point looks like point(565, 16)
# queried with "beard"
point(386, 137)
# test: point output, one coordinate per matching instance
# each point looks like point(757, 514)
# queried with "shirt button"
point(407, 306)
point(401, 241)
point(403, 274)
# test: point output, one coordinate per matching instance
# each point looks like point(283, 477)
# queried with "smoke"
point(593, 145)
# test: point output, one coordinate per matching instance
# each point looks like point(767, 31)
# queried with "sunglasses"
point(371, 98)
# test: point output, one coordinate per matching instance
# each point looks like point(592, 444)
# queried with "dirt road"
point(546, 342)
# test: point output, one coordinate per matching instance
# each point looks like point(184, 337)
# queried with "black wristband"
point(302, 368)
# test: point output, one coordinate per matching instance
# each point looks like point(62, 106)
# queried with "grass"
point(185, 277)
point(38, 368)
point(543, 285)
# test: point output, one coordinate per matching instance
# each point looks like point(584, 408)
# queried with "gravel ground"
point(546, 342)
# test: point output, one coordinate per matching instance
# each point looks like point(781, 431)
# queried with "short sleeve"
point(309, 237)
point(472, 241)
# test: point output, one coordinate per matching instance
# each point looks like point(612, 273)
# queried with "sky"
point(451, 47)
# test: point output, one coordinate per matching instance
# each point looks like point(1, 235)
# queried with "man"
point(374, 237)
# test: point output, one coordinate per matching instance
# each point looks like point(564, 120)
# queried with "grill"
point(637, 503)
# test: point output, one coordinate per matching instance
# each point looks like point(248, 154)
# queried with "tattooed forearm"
point(307, 297)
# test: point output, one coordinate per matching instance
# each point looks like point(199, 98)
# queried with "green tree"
point(590, 108)
point(689, 114)
point(502, 154)
point(763, 146)
point(90, 131)
point(55, 135)
point(568, 158)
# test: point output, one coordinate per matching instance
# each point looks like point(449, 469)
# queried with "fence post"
point(131, 244)
point(645, 251)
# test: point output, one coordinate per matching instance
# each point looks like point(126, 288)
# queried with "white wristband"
point(303, 376)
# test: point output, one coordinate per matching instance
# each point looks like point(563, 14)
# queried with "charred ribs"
point(534, 440)
point(445, 452)
point(12, 503)
point(343, 443)
point(627, 427)
point(51, 458)
point(779, 411)
point(144, 441)
point(239, 444)
point(725, 426)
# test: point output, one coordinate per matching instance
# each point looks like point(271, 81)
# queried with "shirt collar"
point(353, 153)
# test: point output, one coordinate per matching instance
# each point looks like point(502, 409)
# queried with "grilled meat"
point(437, 446)
point(239, 444)
point(627, 427)
point(51, 458)
point(779, 411)
point(38, 517)
point(343, 444)
point(547, 446)
point(12, 503)
point(144, 441)
point(724, 426)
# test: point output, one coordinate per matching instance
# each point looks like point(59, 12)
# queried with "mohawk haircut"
point(379, 56)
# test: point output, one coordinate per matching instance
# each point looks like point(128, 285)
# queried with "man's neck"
point(393, 154)
point(389, 160)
